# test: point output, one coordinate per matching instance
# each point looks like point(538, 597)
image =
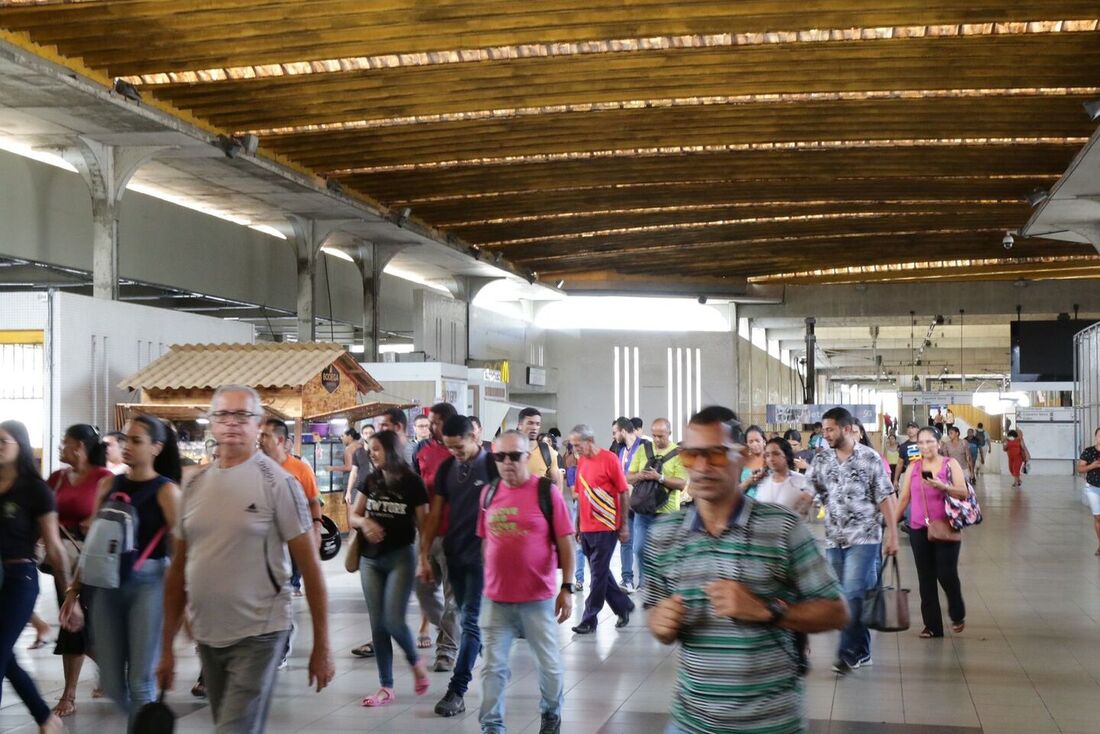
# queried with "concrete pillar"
point(106, 169)
point(811, 369)
point(309, 236)
point(371, 258)
point(735, 366)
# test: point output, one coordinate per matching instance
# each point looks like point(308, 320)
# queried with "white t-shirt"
point(784, 493)
point(236, 523)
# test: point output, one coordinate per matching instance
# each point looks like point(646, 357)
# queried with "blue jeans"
point(626, 553)
point(126, 626)
point(387, 585)
point(501, 623)
point(467, 582)
point(639, 533)
point(857, 569)
point(17, 598)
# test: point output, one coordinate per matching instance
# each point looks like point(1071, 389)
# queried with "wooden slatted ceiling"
point(153, 35)
point(458, 136)
point(1062, 60)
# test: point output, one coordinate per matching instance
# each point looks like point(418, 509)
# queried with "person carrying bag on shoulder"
point(928, 482)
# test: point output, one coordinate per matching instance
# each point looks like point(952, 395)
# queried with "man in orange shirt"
point(273, 439)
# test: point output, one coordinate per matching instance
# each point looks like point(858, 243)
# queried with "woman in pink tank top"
point(926, 482)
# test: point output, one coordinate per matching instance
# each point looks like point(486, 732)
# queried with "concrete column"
point(309, 236)
point(106, 169)
point(811, 353)
point(735, 366)
point(371, 258)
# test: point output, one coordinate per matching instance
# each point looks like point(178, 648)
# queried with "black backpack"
point(649, 495)
point(546, 504)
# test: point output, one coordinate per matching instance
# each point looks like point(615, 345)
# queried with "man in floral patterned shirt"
point(857, 493)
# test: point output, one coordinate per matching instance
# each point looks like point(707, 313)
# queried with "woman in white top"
point(782, 485)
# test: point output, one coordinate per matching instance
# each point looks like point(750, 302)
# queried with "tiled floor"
point(1028, 663)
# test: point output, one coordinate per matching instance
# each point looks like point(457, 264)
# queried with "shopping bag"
point(886, 608)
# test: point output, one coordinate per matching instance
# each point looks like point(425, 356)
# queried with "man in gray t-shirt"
point(239, 518)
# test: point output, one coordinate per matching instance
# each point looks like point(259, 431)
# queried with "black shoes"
point(624, 618)
point(443, 665)
point(450, 705)
point(585, 628)
point(550, 724)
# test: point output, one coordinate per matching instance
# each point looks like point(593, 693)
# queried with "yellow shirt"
point(672, 469)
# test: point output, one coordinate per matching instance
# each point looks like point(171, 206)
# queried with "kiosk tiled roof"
point(263, 365)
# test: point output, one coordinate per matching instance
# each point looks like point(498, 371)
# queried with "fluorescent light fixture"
point(202, 207)
point(397, 272)
point(337, 252)
point(22, 149)
point(267, 229)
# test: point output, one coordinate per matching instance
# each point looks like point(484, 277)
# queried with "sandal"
point(364, 651)
point(66, 706)
point(384, 697)
point(958, 627)
point(39, 643)
point(424, 642)
point(420, 674)
point(98, 692)
point(927, 634)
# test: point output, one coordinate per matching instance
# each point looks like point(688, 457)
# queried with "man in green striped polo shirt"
point(733, 580)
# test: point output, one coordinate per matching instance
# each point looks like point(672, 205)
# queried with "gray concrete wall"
point(46, 216)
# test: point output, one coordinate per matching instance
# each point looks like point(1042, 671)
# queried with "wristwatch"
point(661, 479)
point(568, 587)
point(778, 609)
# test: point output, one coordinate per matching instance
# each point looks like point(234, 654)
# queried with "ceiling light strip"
point(725, 205)
point(929, 264)
point(508, 113)
point(623, 45)
point(794, 145)
point(655, 228)
point(473, 196)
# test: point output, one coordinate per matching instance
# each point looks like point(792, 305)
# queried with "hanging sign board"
point(330, 378)
point(865, 414)
point(1044, 415)
point(943, 397)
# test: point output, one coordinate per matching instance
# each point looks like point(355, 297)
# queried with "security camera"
point(1008, 241)
point(702, 299)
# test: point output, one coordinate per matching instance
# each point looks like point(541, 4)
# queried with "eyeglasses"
point(515, 456)
point(714, 455)
point(232, 416)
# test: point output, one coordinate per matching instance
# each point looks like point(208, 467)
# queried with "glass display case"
point(320, 455)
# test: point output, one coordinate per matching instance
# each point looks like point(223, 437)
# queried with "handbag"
point(155, 717)
point(886, 608)
point(962, 513)
point(73, 548)
point(351, 559)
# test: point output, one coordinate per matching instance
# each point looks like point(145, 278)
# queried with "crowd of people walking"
point(493, 538)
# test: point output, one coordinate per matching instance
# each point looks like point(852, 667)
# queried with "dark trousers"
point(467, 582)
point(17, 599)
point(599, 547)
point(937, 563)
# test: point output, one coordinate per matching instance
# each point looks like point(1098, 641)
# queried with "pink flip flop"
point(383, 697)
point(420, 673)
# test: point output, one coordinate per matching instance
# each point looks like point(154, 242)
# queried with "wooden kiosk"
point(301, 383)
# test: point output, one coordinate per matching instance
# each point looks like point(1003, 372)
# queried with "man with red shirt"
point(602, 504)
point(522, 595)
point(441, 610)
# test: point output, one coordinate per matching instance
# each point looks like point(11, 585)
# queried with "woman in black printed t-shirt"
point(387, 514)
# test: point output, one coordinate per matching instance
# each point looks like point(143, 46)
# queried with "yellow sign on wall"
point(22, 336)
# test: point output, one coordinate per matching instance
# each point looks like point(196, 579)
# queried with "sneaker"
point(864, 661)
point(841, 667)
point(551, 724)
point(585, 628)
point(450, 705)
point(627, 587)
point(443, 665)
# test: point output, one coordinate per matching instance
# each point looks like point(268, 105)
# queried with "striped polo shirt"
point(736, 676)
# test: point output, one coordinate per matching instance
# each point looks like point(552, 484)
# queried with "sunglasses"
point(717, 456)
point(515, 456)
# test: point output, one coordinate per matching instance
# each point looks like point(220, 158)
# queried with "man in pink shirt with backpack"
point(527, 535)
